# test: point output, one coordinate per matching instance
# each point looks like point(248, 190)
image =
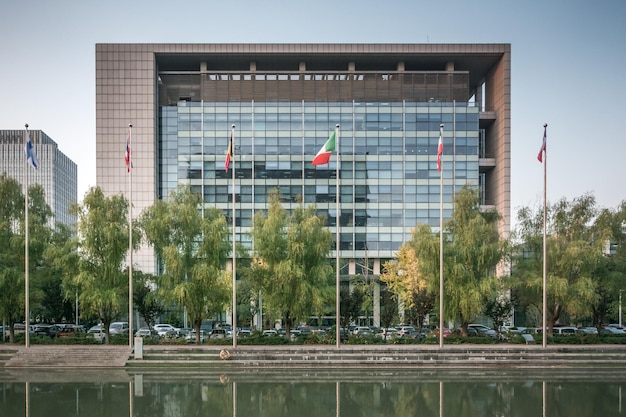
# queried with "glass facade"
point(388, 181)
point(57, 173)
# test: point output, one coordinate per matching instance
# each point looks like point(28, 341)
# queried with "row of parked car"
point(609, 329)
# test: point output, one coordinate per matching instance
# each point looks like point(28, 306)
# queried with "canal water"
point(312, 393)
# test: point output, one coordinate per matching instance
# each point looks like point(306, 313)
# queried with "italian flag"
point(323, 156)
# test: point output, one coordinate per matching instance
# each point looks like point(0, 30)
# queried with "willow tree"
point(194, 249)
point(292, 267)
point(12, 247)
point(610, 273)
point(472, 251)
point(574, 248)
point(11, 252)
point(103, 236)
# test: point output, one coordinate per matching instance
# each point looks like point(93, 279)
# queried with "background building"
point(285, 100)
point(56, 173)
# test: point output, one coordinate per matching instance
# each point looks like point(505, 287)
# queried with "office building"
point(285, 100)
point(56, 173)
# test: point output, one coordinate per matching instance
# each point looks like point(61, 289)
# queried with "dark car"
point(49, 330)
point(71, 330)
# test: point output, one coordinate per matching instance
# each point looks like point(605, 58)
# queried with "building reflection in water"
point(186, 393)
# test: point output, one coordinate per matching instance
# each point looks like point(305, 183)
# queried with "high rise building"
point(285, 100)
point(56, 173)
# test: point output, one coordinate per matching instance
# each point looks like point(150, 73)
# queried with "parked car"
point(165, 330)
point(435, 332)
point(191, 336)
point(270, 332)
point(363, 331)
point(388, 333)
point(482, 330)
point(146, 332)
point(587, 330)
point(564, 331)
point(608, 330)
point(98, 333)
point(71, 330)
point(50, 330)
point(407, 332)
point(218, 334)
point(118, 328)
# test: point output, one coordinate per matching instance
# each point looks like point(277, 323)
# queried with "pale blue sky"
point(568, 63)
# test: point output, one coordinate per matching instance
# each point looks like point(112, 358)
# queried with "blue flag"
point(31, 157)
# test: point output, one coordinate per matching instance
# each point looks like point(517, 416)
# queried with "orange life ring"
point(224, 379)
point(224, 355)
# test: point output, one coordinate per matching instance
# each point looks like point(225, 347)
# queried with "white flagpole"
point(337, 280)
point(130, 237)
point(441, 321)
point(232, 150)
point(26, 227)
point(544, 336)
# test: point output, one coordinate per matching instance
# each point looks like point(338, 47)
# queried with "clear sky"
point(568, 68)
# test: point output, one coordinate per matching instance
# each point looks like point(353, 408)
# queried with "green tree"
point(574, 248)
point(145, 298)
point(407, 281)
point(388, 308)
point(12, 247)
point(293, 269)
point(472, 250)
point(350, 304)
point(194, 251)
point(103, 245)
point(610, 272)
point(61, 266)
point(11, 252)
point(499, 310)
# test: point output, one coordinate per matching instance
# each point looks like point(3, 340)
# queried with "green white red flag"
point(323, 156)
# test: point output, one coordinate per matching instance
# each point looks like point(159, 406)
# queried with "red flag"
point(229, 152)
point(127, 153)
point(440, 148)
point(543, 145)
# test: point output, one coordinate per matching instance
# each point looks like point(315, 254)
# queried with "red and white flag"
point(543, 145)
point(127, 153)
point(440, 148)
point(229, 151)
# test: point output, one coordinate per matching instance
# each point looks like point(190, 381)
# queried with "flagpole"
point(441, 321)
point(130, 238)
point(544, 336)
point(26, 284)
point(337, 280)
point(234, 331)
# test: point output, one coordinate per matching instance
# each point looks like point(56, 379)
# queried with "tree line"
point(289, 269)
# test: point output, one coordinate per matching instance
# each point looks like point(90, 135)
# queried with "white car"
point(97, 332)
point(165, 330)
point(119, 328)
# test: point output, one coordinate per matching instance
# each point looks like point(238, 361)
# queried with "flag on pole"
point(229, 151)
point(127, 153)
point(31, 157)
point(543, 144)
point(323, 156)
point(440, 148)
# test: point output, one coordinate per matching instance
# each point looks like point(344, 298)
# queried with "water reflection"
point(348, 393)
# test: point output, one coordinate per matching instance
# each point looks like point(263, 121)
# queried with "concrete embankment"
point(212, 357)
